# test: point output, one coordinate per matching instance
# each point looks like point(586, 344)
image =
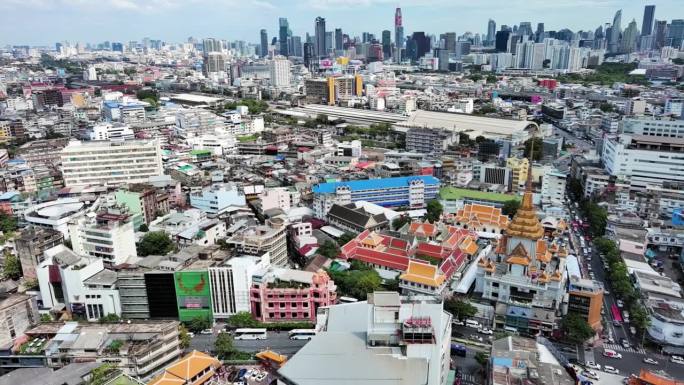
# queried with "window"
point(305, 304)
point(293, 304)
point(282, 315)
point(282, 305)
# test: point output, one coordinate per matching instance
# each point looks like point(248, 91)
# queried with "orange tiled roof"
point(423, 273)
point(269, 355)
point(423, 229)
point(185, 369)
point(476, 215)
point(468, 245)
point(525, 223)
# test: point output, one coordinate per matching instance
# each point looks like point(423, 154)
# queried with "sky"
point(44, 22)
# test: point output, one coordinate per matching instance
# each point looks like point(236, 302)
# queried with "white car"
point(677, 359)
point(591, 374)
point(650, 361)
point(611, 354)
point(592, 365)
point(610, 369)
point(261, 377)
point(485, 331)
point(207, 331)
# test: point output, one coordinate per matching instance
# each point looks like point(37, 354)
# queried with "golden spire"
point(525, 223)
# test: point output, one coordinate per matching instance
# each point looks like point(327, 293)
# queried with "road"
point(632, 357)
point(276, 341)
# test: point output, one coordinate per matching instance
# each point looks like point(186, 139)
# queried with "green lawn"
point(247, 138)
point(453, 194)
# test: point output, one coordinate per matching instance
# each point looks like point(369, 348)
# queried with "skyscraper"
point(320, 47)
point(629, 38)
point(615, 30)
point(264, 43)
point(675, 33)
point(502, 43)
point(525, 28)
point(540, 33)
point(386, 44)
point(660, 33)
point(283, 32)
point(450, 42)
point(338, 39)
point(398, 29)
point(491, 32)
point(647, 23)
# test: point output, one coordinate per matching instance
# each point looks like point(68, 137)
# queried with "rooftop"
point(453, 193)
point(373, 184)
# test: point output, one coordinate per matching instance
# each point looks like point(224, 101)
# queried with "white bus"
point(347, 300)
point(302, 334)
point(250, 334)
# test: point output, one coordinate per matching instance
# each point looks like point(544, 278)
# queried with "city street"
point(632, 357)
point(276, 341)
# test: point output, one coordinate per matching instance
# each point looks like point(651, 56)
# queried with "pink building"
point(290, 295)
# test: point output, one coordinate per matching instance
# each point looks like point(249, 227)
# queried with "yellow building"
point(519, 169)
point(196, 368)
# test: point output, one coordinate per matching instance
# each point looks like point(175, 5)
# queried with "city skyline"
point(81, 21)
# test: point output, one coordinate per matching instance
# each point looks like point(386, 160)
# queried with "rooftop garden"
point(281, 284)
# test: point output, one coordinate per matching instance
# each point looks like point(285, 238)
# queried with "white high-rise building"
point(280, 72)
point(230, 283)
point(90, 74)
point(105, 235)
point(553, 188)
point(192, 122)
point(108, 163)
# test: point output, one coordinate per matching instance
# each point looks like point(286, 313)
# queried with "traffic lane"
point(279, 342)
point(632, 363)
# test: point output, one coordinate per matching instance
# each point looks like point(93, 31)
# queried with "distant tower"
point(647, 23)
point(615, 31)
point(264, 43)
point(398, 29)
point(491, 32)
point(321, 49)
point(283, 32)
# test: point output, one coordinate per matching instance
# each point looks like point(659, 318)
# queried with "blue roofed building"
point(410, 191)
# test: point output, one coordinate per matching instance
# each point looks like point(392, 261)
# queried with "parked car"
point(610, 369)
point(475, 337)
point(207, 331)
point(651, 361)
point(624, 343)
point(592, 365)
point(485, 331)
point(677, 359)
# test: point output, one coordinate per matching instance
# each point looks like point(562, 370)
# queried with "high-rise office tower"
point(308, 54)
point(211, 45)
point(420, 45)
point(321, 49)
point(450, 42)
point(647, 23)
point(629, 37)
point(525, 28)
point(675, 33)
point(283, 32)
point(296, 46)
point(540, 33)
point(386, 44)
point(338, 39)
point(398, 29)
point(264, 43)
point(502, 43)
point(660, 33)
point(491, 32)
point(615, 30)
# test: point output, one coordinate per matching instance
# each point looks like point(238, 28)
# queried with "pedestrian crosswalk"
point(619, 348)
point(469, 379)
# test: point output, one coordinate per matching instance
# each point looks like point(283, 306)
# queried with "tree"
point(109, 318)
point(199, 323)
point(345, 238)
point(607, 107)
point(538, 150)
point(184, 337)
point(391, 285)
point(101, 374)
point(459, 309)
point(434, 211)
point(510, 207)
point(491, 79)
point(400, 221)
point(45, 318)
point(12, 267)
point(155, 243)
point(638, 317)
point(482, 358)
point(8, 223)
point(329, 249)
point(224, 346)
point(147, 93)
point(576, 329)
point(143, 228)
point(356, 282)
point(242, 319)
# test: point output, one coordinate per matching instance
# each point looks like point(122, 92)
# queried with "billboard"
point(192, 294)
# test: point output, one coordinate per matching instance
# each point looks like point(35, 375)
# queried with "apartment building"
point(143, 201)
point(413, 191)
point(663, 127)
point(386, 338)
point(137, 348)
point(429, 141)
point(644, 159)
point(30, 245)
point(286, 295)
point(18, 313)
point(217, 198)
point(192, 122)
point(106, 235)
point(110, 163)
point(109, 131)
point(283, 198)
point(519, 168)
point(553, 188)
point(257, 240)
point(585, 298)
point(42, 152)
